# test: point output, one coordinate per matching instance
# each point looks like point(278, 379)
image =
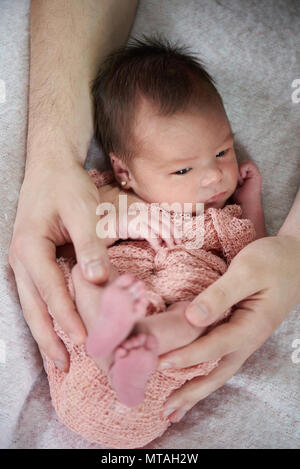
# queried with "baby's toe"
point(120, 352)
point(136, 341)
point(151, 342)
point(125, 280)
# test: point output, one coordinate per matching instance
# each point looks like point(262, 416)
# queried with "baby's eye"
point(182, 171)
point(222, 153)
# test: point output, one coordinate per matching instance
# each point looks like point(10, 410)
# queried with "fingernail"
point(95, 269)
point(60, 365)
point(202, 310)
point(164, 365)
point(168, 412)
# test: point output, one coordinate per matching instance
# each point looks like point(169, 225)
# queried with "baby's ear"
point(115, 161)
point(112, 158)
point(119, 167)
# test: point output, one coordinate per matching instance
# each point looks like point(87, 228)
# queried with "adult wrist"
point(62, 131)
point(50, 147)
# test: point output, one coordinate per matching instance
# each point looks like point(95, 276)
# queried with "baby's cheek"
point(234, 177)
point(235, 173)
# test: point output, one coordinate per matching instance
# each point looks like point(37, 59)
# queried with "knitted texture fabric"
point(83, 397)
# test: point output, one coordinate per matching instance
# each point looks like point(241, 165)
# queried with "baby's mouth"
point(215, 197)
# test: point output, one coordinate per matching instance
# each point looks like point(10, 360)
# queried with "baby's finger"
point(154, 241)
point(169, 231)
point(166, 235)
point(249, 169)
point(161, 223)
point(240, 180)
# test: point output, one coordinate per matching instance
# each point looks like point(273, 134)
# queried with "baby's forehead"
point(147, 112)
point(192, 127)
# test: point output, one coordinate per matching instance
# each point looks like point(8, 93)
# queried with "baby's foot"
point(122, 304)
point(135, 360)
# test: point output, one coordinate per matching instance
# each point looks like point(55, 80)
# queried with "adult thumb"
point(215, 300)
point(91, 252)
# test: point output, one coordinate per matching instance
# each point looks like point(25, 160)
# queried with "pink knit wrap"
point(83, 397)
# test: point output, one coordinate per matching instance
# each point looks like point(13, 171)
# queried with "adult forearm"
point(291, 226)
point(68, 41)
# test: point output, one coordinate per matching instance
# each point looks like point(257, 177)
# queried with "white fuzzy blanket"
point(253, 51)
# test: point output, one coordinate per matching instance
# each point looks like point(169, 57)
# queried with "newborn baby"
point(161, 121)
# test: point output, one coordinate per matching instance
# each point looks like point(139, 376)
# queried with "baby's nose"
point(212, 176)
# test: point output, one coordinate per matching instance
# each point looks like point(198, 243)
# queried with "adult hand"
point(57, 205)
point(263, 281)
point(58, 199)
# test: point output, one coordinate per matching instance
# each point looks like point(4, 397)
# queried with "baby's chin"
point(217, 203)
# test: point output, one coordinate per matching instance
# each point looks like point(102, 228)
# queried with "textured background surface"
point(254, 55)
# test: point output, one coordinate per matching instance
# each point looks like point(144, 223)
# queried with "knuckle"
point(28, 314)
point(40, 335)
point(16, 249)
point(84, 203)
point(12, 256)
point(45, 293)
point(50, 346)
point(220, 293)
point(21, 243)
point(51, 294)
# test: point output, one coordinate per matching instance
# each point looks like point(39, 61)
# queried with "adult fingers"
point(197, 389)
point(244, 327)
point(40, 323)
point(39, 260)
point(237, 283)
point(91, 252)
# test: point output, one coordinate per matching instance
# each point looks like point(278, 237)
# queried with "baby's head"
point(161, 121)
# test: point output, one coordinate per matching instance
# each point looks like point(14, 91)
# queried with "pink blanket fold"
point(83, 397)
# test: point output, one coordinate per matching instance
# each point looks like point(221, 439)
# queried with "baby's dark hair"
point(165, 74)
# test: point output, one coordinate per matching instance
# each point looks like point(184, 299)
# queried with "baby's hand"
point(249, 184)
point(139, 224)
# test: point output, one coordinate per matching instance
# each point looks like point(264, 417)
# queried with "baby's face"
point(188, 157)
